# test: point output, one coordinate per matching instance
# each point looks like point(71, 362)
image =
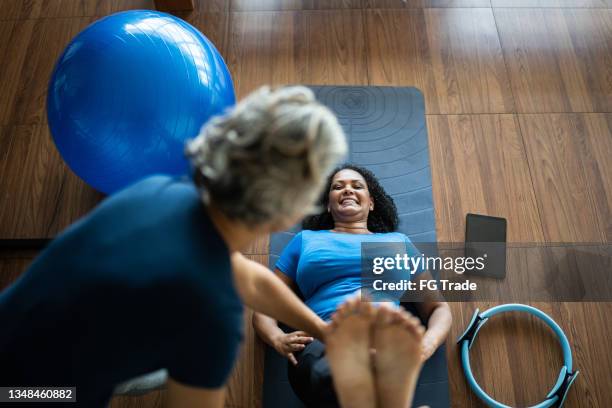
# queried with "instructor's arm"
point(267, 328)
point(265, 293)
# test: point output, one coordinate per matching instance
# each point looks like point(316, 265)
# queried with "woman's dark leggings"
point(311, 379)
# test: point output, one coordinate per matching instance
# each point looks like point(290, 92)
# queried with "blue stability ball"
point(128, 91)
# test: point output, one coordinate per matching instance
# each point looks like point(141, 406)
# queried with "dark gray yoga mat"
point(387, 134)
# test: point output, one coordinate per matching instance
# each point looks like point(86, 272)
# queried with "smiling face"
point(349, 197)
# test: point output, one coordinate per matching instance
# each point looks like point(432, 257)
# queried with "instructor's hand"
point(288, 343)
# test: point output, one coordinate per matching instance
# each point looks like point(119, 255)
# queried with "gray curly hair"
point(268, 158)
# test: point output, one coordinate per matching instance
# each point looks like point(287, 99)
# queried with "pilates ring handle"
point(558, 393)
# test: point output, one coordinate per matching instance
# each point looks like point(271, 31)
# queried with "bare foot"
point(397, 339)
point(348, 353)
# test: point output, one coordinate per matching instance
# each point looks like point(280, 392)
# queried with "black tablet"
point(485, 238)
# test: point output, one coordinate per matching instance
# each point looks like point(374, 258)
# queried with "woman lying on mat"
point(323, 265)
point(153, 278)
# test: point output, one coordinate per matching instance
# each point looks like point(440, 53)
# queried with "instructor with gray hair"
point(154, 277)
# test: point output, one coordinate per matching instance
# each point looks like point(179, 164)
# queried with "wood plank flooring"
point(452, 55)
point(553, 3)
point(476, 175)
point(568, 153)
point(264, 50)
point(559, 60)
point(519, 103)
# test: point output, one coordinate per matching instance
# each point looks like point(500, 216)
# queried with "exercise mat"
point(387, 134)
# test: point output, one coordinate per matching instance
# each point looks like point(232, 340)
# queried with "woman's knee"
point(311, 379)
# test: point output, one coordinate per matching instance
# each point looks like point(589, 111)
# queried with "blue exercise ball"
point(128, 91)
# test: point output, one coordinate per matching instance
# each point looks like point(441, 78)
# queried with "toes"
point(366, 309)
point(384, 316)
point(387, 315)
point(351, 307)
point(393, 314)
point(412, 323)
point(347, 307)
point(336, 318)
point(343, 310)
point(398, 316)
point(354, 302)
point(339, 313)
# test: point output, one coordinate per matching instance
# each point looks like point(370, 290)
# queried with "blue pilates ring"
point(556, 396)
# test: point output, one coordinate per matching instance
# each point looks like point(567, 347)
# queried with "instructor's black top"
point(141, 283)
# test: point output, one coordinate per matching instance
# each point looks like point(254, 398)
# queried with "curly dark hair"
point(383, 218)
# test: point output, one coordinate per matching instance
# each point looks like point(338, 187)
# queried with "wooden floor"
point(519, 112)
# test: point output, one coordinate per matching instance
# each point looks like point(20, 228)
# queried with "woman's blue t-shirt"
point(143, 282)
point(327, 265)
